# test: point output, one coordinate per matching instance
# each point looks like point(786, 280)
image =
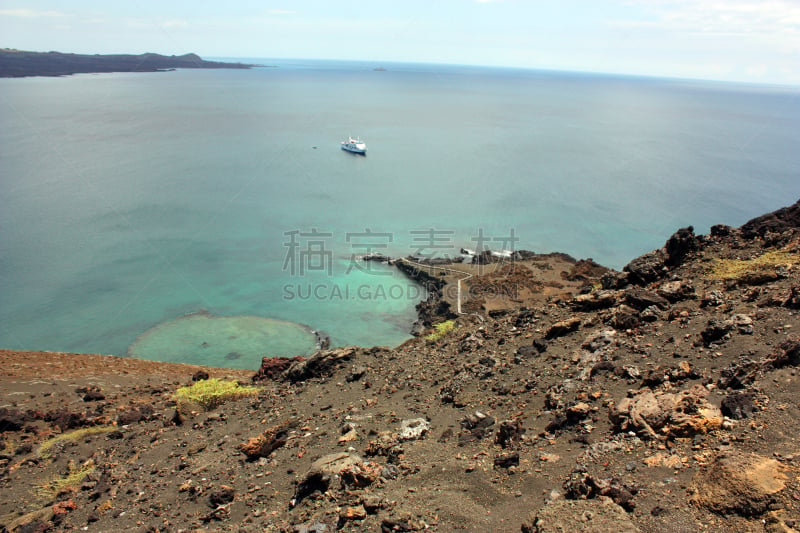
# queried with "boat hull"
point(354, 149)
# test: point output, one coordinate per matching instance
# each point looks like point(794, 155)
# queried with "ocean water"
point(128, 201)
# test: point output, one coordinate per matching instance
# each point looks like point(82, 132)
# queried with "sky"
point(754, 41)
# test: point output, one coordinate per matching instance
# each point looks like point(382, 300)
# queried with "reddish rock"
point(269, 441)
point(360, 475)
point(273, 367)
point(559, 329)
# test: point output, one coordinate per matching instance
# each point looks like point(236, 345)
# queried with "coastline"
point(22, 64)
point(579, 405)
point(491, 284)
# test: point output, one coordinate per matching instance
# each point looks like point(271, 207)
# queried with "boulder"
point(360, 475)
point(559, 329)
point(721, 230)
point(600, 340)
point(200, 375)
point(264, 444)
point(594, 300)
point(319, 476)
point(676, 291)
point(647, 268)
point(11, 419)
point(739, 483)
point(322, 363)
point(653, 414)
point(510, 432)
point(413, 429)
point(582, 486)
point(507, 460)
point(599, 515)
point(787, 354)
point(272, 367)
point(623, 318)
point(222, 496)
point(715, 331)
point(738, 405)
point(614, 280)
point(680, 245)
point(641, 299)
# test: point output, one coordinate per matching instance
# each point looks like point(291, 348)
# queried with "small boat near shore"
point(356, 146)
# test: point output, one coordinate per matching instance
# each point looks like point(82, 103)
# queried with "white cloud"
point(728, 17)
point(29, 13)
point(174, 24)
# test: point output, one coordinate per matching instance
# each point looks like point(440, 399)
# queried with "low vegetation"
point(210, 393)
point(440, 330)
point(733, 269)
point(69, 482)
point(47, 446)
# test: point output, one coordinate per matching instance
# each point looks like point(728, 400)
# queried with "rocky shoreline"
point(570, 397)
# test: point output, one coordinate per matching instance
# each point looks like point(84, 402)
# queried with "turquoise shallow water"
point(130, 200)
point(237, 341)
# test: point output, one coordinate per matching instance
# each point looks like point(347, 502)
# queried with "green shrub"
point(440, 330)
point(210, 393)
point(724, 269)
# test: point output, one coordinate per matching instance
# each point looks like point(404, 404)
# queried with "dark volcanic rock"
point(540, 345)
point(11, 420)
point(65, 419)
point(655, 265)
point(715, 331)
point(624, 318)
point(200, 375)
point(721, 230)
point(662, 374)
point(322, 363)
point(135, 414)
point(738, 405)
point(527, 351)
point(680, 245)
point(222, 496)
point(507, 460)
point(787, 354)
point(583, 486)
point(641, 299)
point(510, 432)
point(93, 396)
point(775, 222)
point(738, 375)
point(432, 309)
point(585, 269)
point(647, 268)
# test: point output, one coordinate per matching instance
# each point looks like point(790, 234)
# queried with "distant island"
point(19, 64)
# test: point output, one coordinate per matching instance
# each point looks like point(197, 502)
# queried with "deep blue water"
point(129, 200)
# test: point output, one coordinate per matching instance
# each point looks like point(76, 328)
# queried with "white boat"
point(357, 146)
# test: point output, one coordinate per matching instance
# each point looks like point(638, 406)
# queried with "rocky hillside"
point(663, 398)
